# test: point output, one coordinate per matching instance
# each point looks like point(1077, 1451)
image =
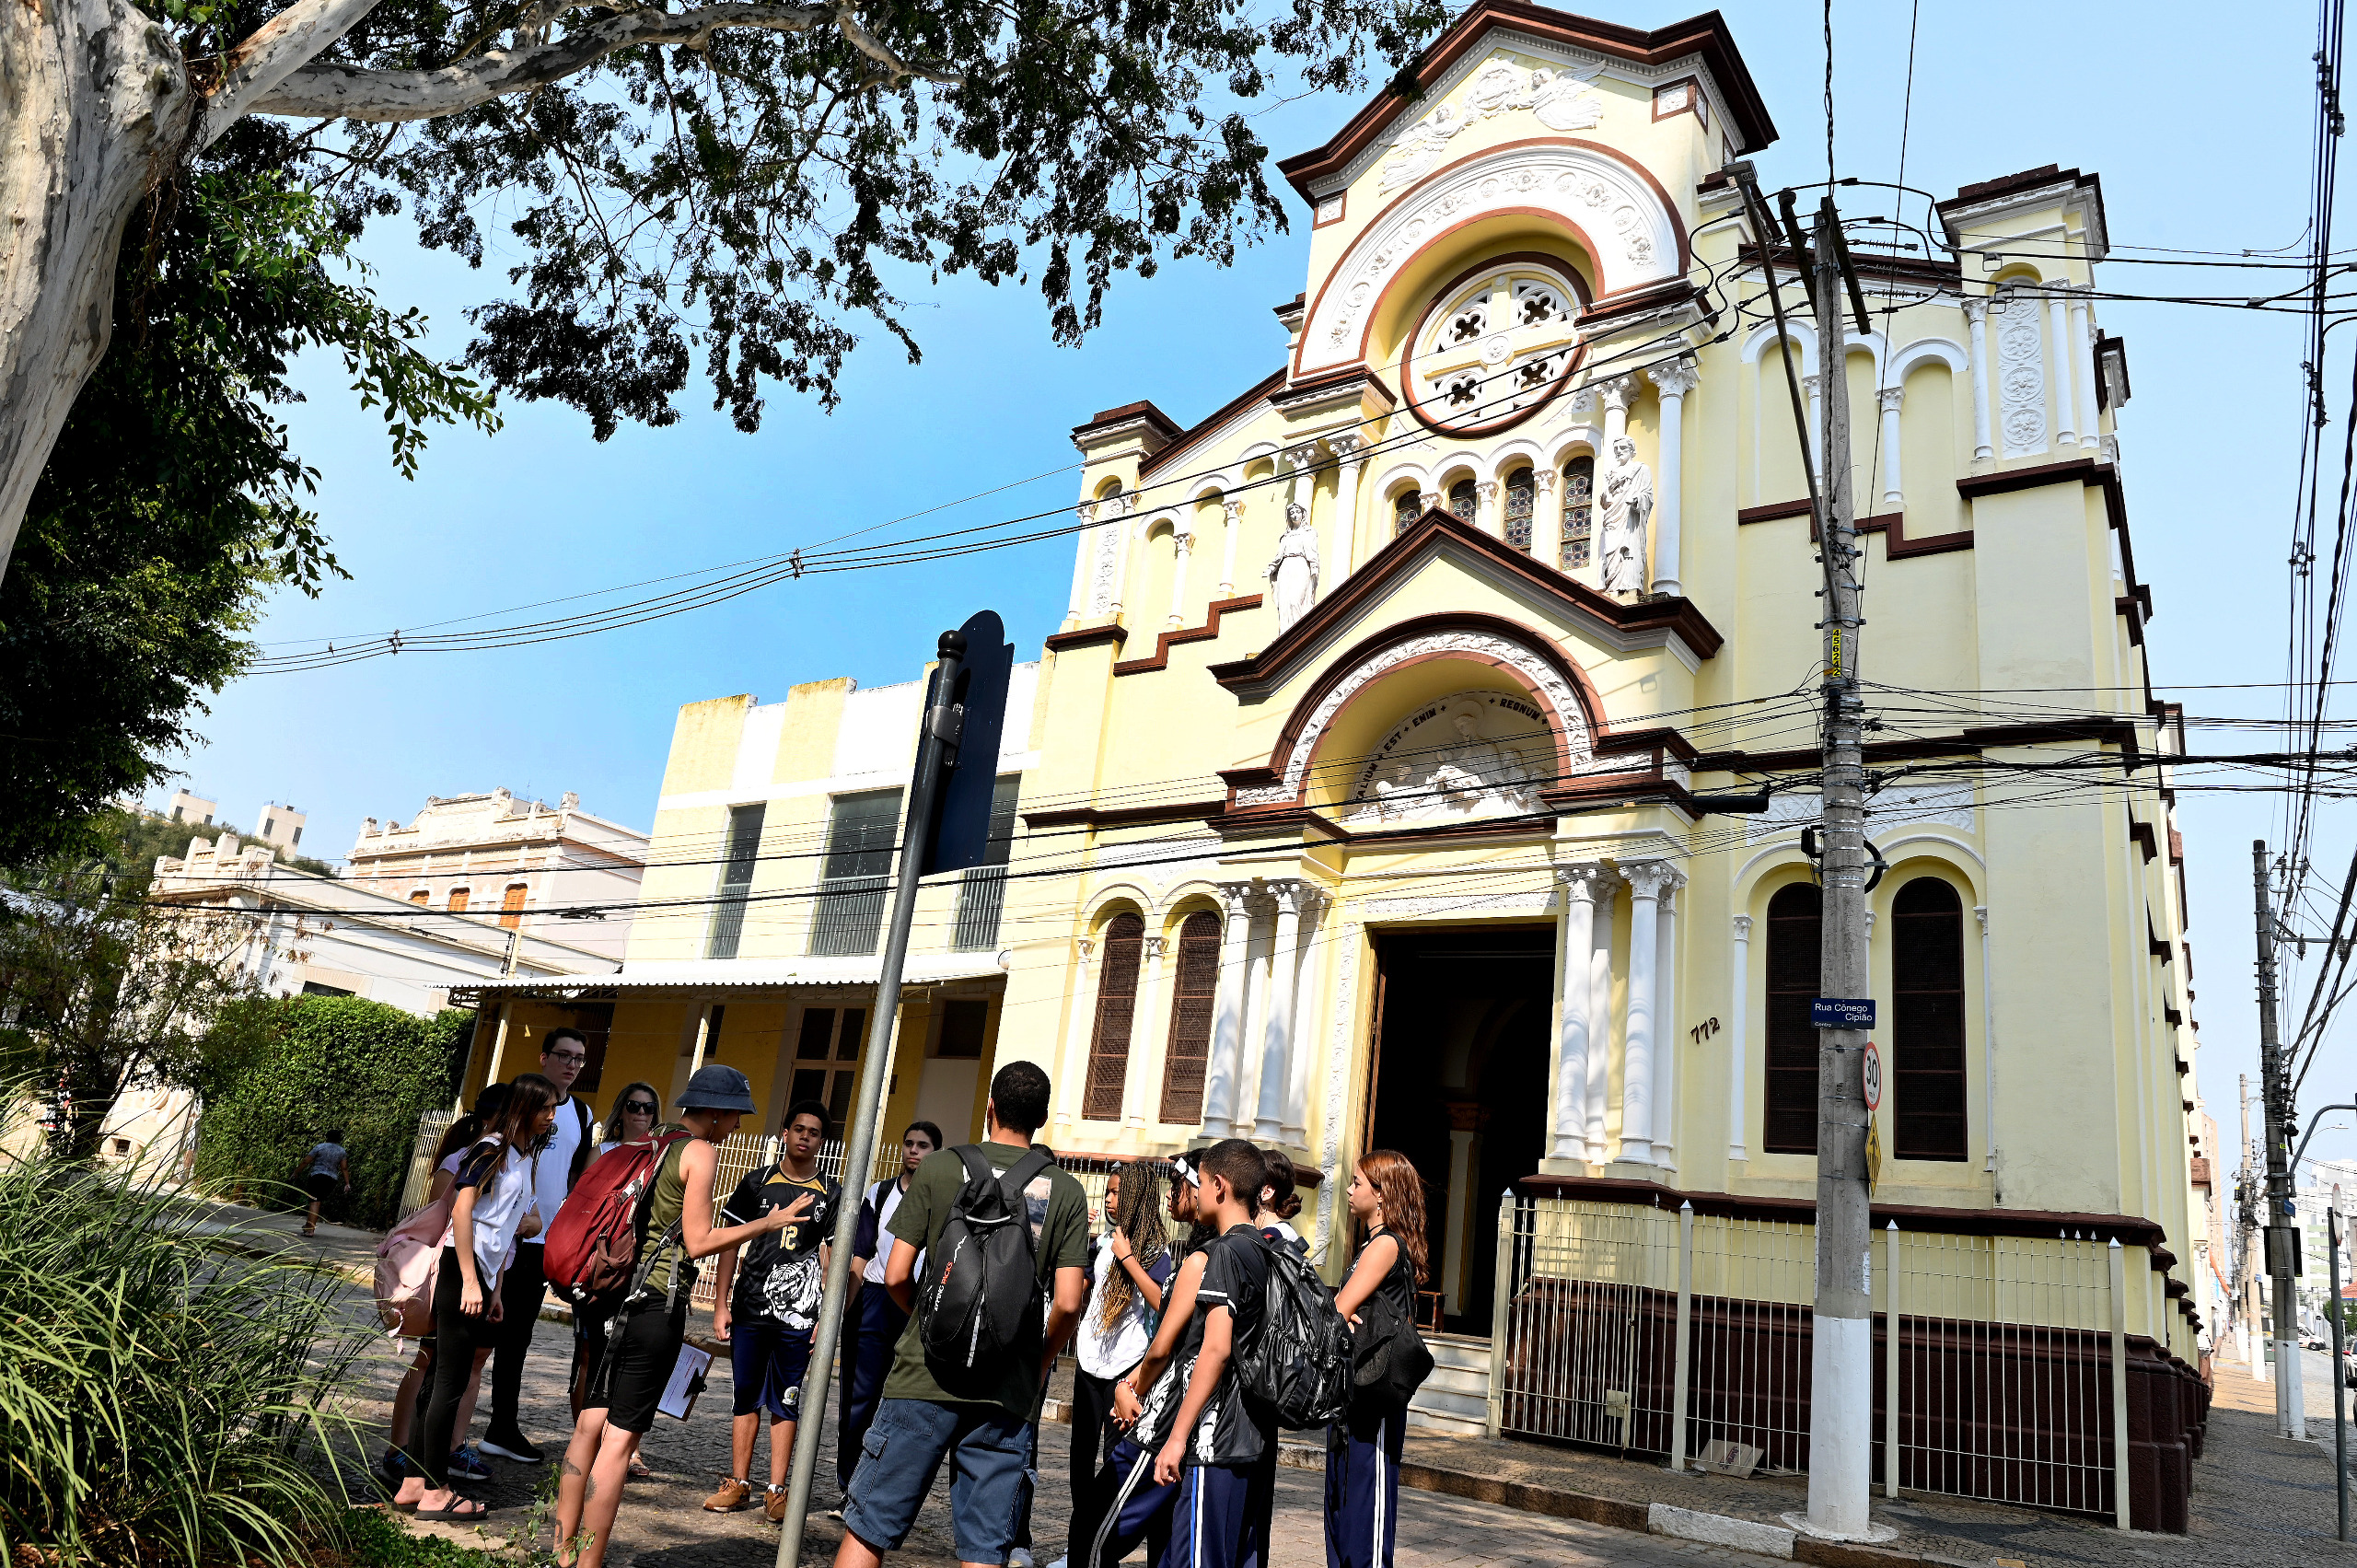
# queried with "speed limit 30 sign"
point(1870, 1077)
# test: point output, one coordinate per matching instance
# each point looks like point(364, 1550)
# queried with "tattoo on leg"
point(571, 1469)
point(588, 1487)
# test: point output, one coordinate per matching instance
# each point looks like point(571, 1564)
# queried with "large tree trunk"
point(94, 103)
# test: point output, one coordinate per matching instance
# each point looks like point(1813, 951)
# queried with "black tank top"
point(1399, 1286)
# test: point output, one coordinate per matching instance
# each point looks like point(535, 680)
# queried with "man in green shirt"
point(920, 1423)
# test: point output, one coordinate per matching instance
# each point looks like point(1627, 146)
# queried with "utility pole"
point(2283, 1237)
point(2248, 1259)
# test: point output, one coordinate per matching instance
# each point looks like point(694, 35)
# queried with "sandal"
point(462, 1507)
point(638, 1470)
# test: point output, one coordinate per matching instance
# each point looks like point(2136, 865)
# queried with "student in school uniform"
point(1132, 1269)
point(1219, 1449)
point(1278, 1204)
point(873, 1321)
point(1130, 1508)
point(1363, 1448)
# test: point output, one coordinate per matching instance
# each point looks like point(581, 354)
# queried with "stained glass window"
point(1579, 511)
point(1521, 495)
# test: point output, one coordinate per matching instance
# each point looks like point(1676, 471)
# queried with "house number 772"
point(1702, 1031)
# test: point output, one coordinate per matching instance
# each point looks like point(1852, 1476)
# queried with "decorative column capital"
point(1676, 378)
point(1580, 880)
point(1617, 392)
point(1545, 478)
point(1088, 512)
point(1976, 309)
point(1232, 510)
point(1891, 398)
point(1648, 878)
point(1431, 498)
point(1289, 895)
point(1350, 449)
point(1154, 947)
point(1742, 928)
point(1980, 913)
point(1486, 489)
point(1808, 384)
point(1235, 896)
point(1087, 945)
point(1183, 540)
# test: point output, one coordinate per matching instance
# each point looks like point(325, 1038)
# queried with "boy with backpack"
point(1219, 1449)
point(770, 1315)
point(1004, 1233)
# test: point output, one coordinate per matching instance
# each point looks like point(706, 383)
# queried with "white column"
point(1669, 1041)
point(1431, 499)
point(1891, 398)
point(1976, 312)
point(1489, 517)
point(1810, 384)
point(1182, 545)
point(1124, 526)
point(2057, 369)
point(1234, 512)
point(2083, 360)
point(1149, 1037)
point(1276, 1039)
point(1672, 381)
point(1568, 1135)
point(1337, 564)
point(1646, 880)
point(1078, 1029)
point(1988, 1048)
point(1738, 1010)
point(1600, 1021)
point(1305, 1018)
point(1228, 1016)
point(1616, 395)
point(1083, 557)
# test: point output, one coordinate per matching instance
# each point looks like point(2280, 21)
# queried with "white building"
point(280, 825)
point(553, 872)
point(193, 809)
point(2333, 1186)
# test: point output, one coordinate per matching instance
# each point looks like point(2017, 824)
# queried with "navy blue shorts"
point(902, 1452)
point(768, 1361)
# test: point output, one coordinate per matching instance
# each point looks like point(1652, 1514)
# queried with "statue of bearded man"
point(1625, 493)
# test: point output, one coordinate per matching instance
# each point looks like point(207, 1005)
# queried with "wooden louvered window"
point(1461, 500)
point(458, 901)
point(1116, 1005)
point(1927, 1021)
point(511, 906)
point(1795, 917)
point(1193, 994)
point(1521, 495)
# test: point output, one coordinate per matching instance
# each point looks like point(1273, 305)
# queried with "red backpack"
point(602, 1223)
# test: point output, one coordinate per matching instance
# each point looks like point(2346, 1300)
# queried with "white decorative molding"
point(1513, 654)
point(1339, 1055)
point(2021, 376)
point(1564, 100)
point(1634, 235)
point(1423, 906)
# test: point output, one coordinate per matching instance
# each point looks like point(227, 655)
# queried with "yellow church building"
point(1354, 803)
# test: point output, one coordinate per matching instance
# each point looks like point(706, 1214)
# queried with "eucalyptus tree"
point(727, 189)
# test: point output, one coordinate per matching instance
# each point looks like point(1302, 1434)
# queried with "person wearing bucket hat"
point(643, 1342)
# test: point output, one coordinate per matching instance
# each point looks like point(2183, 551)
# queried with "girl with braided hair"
point(1134, 1265)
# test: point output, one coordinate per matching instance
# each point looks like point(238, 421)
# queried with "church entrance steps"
point(1454, 1400)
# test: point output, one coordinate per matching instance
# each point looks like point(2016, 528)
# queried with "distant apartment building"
point(281, 825)
point(193, 809)
point(554, 872)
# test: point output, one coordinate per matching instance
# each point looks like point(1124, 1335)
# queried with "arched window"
point(1579, 510)
point(1405, 510)
point(458, 899)
point(1192, 994)
point(1460, 500)
point(1789, 1116)
point(1117, 1003)
point(1522, 494)
point(1927, 1021)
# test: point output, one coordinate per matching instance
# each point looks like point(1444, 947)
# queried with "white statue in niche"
point(1625, 496)
point(1438, 766)
point(1293, 575)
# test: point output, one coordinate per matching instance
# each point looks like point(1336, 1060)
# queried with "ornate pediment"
point(1474, 754)
point(1560, 98)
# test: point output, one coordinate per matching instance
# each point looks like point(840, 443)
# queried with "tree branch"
point(336, 91)
point(278, 49)
point(855, 32)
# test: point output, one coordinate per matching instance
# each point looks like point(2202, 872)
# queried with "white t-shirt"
point(452, 1166)
point(1111, 1353)
point(889, 1205)
point(500, 1207)
point(553, 1166)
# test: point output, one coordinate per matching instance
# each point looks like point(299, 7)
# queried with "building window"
point(1116, 1005)
point(736, 880)
point(1521, 495)
point(1193, 990)
point(458, 901)
point(511, 906)
point(964, 1026)
point(856, 872)
point(1927, 1021)
point(269, 826)
point(122, 1146)
point(827, 1035)
point(1405, 511)
point(296, 838)
point(981, 892)
point(1794, 916)
point(1461, 501)
point(1579, 510)
point(175, 813)
point(313, 988)
point(420, 897)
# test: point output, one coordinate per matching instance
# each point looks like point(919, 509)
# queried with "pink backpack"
point(406, 1262)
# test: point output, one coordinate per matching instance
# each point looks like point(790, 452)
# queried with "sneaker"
point(774, 1505)
point(467, 1465)
point(836, 1512)
point(395, 1466)
point(1018, 1557)
point(513, 1446)
point(733, 1494)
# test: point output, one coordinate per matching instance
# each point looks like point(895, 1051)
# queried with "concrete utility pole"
point(2282, 1237)
point(1841, 1355)
point(2248, 1259)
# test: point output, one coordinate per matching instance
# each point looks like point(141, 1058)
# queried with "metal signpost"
point(957, 745)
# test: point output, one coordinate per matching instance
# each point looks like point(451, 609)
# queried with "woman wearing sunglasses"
point(632, 1120)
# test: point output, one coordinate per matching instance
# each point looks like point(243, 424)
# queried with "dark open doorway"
point(1460, 1088)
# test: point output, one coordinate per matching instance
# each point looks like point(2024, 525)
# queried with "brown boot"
point(774, 1505)
point(733, 1494)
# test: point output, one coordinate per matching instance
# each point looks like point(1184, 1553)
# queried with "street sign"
point(1841, 1012)
point(1874, 1163)
point(958, 837)
point(1870, 1077)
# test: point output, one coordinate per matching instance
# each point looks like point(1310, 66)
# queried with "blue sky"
point(2192, 153)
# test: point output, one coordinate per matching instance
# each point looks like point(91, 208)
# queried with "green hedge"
point(322, 1062)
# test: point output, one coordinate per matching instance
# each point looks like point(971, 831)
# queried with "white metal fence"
point(1666, 1332)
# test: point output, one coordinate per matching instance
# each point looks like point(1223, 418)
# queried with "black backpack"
point(1299, 1364)
point(980, 1301)
point(1389, 1358)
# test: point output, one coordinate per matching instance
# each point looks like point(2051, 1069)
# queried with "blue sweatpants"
point(1363, 1489)
point(1144, 1514)
point(1220, 1517)
point(872, 1329)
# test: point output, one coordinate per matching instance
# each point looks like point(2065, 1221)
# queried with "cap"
point(717, 1087)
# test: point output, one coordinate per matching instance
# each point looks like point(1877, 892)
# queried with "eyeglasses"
point(637, 1108)
point(568, 1055)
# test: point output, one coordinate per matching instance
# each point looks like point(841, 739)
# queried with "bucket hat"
point(716, 1086)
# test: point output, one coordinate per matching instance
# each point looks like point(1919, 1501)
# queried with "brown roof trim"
point(1163, 426)
point(1706, 35)
point(1086, 637)
point(2018, 184)
point(1165, 642)
point(1181, 440)
point(1375, 579)
point(1635, 302)
point(1867, 263)
point(2036, 1222)
point(2007, 480)
point(2146, 839)
point(2099, 729)
point(1124, 817)
point(1896, 546)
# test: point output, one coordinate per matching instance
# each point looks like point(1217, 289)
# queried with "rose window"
point(1495, 346)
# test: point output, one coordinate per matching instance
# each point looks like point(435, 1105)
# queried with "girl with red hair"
point(1363, 1449)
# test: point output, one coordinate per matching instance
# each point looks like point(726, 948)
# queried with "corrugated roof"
point(742, 974)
